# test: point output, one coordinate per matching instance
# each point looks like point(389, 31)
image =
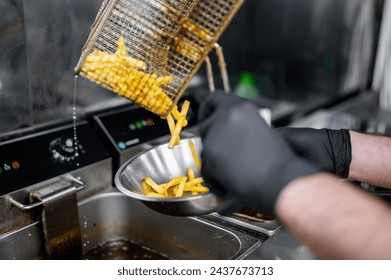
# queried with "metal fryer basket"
point(171, 38)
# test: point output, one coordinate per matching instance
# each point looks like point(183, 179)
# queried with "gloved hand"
point(328, 149)
point(242, 156)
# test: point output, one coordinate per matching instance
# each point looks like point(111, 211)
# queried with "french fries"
point(194, 154)
point(185, 43)
point(176, 128)
point(187, 48)
point(197, 30)
point(176, 187)
point(127, 77)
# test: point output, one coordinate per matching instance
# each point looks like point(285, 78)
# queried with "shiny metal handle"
point(81, 184)
point(25, 207)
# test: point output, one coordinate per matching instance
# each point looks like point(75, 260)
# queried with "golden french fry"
point(196, 189)
point(171, 125)
point(181, 187)
point(178, 114)
point(146, 187)
point(153, 194)
point(181, 122)
point(194, 182)
point(170, 184)
point(190, 174)
point(185, 108)
point(175, 136)
point(153, 185)
point(195, 156)
point(179, 125)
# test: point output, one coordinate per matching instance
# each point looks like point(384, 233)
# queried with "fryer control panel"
point(131, 126)
point(35, 158)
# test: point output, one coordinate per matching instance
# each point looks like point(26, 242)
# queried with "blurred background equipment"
point(305, 50)
point(381, 81)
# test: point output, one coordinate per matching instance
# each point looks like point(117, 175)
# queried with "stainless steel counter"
point(282, 246)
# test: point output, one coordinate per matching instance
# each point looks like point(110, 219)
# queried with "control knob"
point(64, 149)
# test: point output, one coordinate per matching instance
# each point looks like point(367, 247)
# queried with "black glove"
point(328, 149)
point(242, 156)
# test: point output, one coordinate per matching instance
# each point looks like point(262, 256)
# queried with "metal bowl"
point(162, 164)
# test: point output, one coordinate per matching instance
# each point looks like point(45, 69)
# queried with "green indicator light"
point(139, 124)
point(247, 87)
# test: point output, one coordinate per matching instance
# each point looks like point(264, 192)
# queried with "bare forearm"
point(335, 219)
point(371, 159)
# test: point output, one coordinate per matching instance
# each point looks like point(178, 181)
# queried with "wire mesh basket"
point(149, 50)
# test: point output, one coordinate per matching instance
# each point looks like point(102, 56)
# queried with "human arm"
point(348, 154)
point(371, 159)
point(336, 219)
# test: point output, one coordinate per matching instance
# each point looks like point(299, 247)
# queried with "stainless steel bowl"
point(162, 164)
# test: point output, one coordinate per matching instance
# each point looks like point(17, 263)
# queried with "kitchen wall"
point(40, 43)
point(306, 47)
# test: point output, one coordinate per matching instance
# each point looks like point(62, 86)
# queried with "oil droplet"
point(74, 117)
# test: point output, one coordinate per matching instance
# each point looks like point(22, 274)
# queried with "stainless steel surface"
point(162, 164)
point(97, 176)
point(24, 207)
point(282, 246)
point(134, 151)
point(266, 227)
point(59, 214)
point(113, 217)
point(60, 220)
point(24, 243)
